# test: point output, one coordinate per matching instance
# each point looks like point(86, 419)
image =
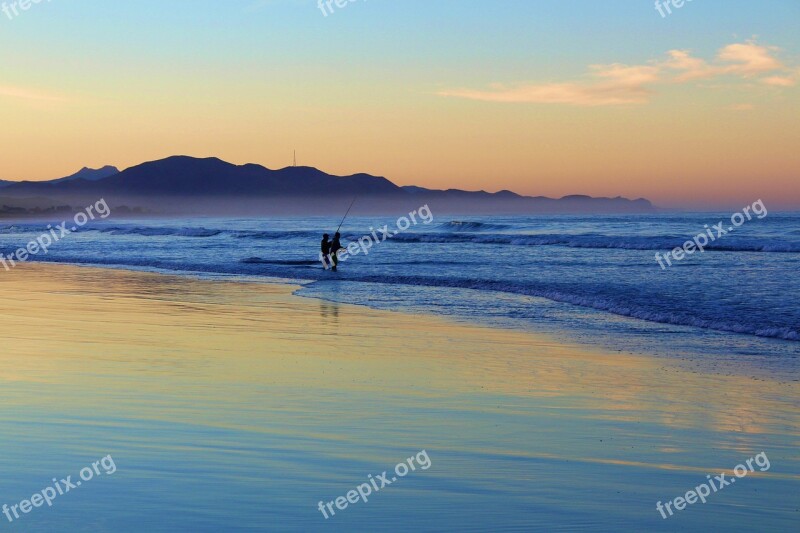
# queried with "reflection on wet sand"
point(329, 312)
point(251, 368)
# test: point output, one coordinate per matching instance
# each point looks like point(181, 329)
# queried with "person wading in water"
point(325, 249)
point(336, 245)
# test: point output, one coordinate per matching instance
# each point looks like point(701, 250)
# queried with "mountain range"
point(181, 184)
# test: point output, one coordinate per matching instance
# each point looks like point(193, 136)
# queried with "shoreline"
point(269, 397)
point(755, 367)
point(283, 294)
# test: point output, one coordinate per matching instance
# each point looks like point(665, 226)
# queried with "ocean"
point(238, 407)
point(587, 279)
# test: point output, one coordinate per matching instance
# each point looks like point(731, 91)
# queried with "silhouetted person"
point(326, 250)
point(336, 245)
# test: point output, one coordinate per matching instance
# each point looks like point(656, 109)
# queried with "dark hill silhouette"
point(90, 174)
point(188, 176)
point(186, 183)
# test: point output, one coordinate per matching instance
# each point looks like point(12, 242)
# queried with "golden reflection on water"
point(252, 356)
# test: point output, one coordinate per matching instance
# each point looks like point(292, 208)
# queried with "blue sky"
point(121, 82)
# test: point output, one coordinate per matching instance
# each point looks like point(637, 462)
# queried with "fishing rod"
point(348, 212)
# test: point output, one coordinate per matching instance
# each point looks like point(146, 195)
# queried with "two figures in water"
point(330, 251)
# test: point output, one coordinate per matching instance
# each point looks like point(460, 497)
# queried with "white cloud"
point(28, 94)
point(742, 107)
point(619, 84)
point(780, 81)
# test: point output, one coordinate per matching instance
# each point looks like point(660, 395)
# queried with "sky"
point(697, 108)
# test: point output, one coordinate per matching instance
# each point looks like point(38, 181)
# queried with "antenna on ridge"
point(295, 158)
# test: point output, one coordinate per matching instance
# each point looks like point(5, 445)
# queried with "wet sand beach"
point(232, 406)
